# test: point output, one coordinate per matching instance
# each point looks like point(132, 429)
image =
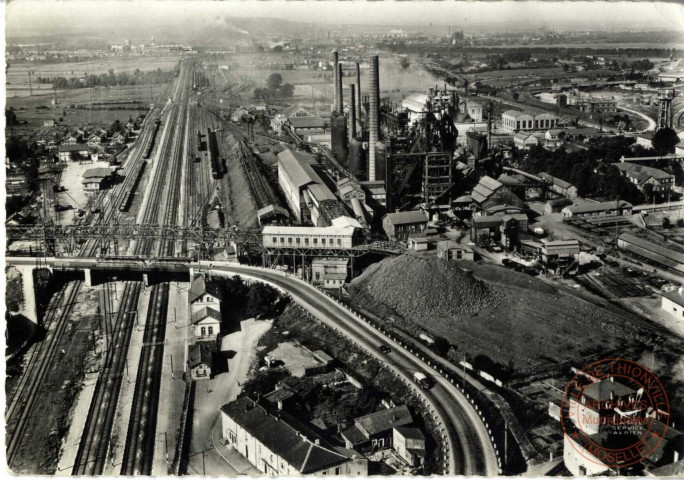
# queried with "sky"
point(42, 16)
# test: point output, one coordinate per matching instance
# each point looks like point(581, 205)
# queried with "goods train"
point(218, 164)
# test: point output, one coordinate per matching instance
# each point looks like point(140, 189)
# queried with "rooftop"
point(599, 206)
point(205, 312)
point(297, 165)
point(201, 353)
point(384, 420)
point(284, 435)
point(101, 172)
point(405, 218)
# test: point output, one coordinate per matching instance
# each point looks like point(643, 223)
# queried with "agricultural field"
point(18, 79)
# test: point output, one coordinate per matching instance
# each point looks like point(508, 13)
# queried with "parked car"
point(95, 209)
point(385, 349)
point(62, 208)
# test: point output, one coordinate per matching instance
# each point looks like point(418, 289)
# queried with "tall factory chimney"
point(374, 116)
point(489, 125)
point(358, 90)
point(335, 62)
point(338, 120)
point(352, 112)
point(339, 103)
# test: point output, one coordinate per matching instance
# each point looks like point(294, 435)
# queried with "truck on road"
point(423, 380)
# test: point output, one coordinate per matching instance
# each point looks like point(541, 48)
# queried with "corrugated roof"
point(555, 180)
point(599, 206)
point(284, 435)
point(384, 420)
point(403, 218)
point(307, 122)
point(653, 247)
point(320, 192)
point(205, 312)
point(297, 165)
point(292, 109)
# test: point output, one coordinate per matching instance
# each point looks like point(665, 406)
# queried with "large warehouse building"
point(654, 253)
point(307, 195)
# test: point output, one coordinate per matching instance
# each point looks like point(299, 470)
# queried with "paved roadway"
point(470, 452)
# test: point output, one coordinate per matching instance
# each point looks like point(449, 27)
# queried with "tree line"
point(110, 79)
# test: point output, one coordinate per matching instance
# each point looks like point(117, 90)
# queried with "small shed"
point(450, 250)
point(419, 244)
point(201, 360)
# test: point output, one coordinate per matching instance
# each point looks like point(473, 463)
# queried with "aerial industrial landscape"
point(376, 239)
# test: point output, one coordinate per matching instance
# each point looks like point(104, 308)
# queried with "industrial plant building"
point(515, 121)
point(590, 209)
point(642, 176)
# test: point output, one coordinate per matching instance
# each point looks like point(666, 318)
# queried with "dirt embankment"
point(482, 309)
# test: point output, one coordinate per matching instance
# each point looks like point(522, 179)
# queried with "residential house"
point(651, 179)
point(645, 139)
point(329, 272)
point(400, 225)
point(409, 443)
point(278, 444)
point(73, 152)
point(376, 429)
point(199, 296)
point(201, 360)
point(525, 141)
point(206, 322)
point(450, 250)
point(673, 303)
point(49, 122)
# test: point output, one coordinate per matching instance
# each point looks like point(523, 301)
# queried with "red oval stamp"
point(615, 414)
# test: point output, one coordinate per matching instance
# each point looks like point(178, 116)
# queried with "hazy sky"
point(36, 16)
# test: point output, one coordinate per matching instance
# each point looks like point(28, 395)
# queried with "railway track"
point(257, 184)
point(95, 440)
point(92, 449)
point(140, 439)
point(20, 407)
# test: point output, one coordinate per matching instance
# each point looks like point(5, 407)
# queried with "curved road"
point(651, 123)
point(471, 452)
point(470, 449)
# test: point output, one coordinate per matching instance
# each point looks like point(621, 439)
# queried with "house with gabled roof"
point(277, 443)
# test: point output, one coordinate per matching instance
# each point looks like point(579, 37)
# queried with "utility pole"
point(30, 86)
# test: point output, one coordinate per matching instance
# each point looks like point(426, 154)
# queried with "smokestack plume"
point(374, 115)
point(352, 112)
point(335, 62)
point(358, 89)
point(339, 105)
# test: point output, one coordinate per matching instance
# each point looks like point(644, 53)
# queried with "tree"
point(664, 141)
point(667, 224)
point(274, 81)
point(287, 90)
point(404, 63)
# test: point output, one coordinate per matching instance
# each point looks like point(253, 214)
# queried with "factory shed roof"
point(512, 113)
point(320, 192)
point(653, 247)
point(297, 165)
point(556, 181)
point(641, 172)
point(599, 206)
point(560, 202)
point(404, 218)
point(292, 109)
point(485, 188)
point(284, 435)
point(307, 122)
point(101, 172)
point(346, 222)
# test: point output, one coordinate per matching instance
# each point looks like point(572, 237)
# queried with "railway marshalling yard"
point(115, 352)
